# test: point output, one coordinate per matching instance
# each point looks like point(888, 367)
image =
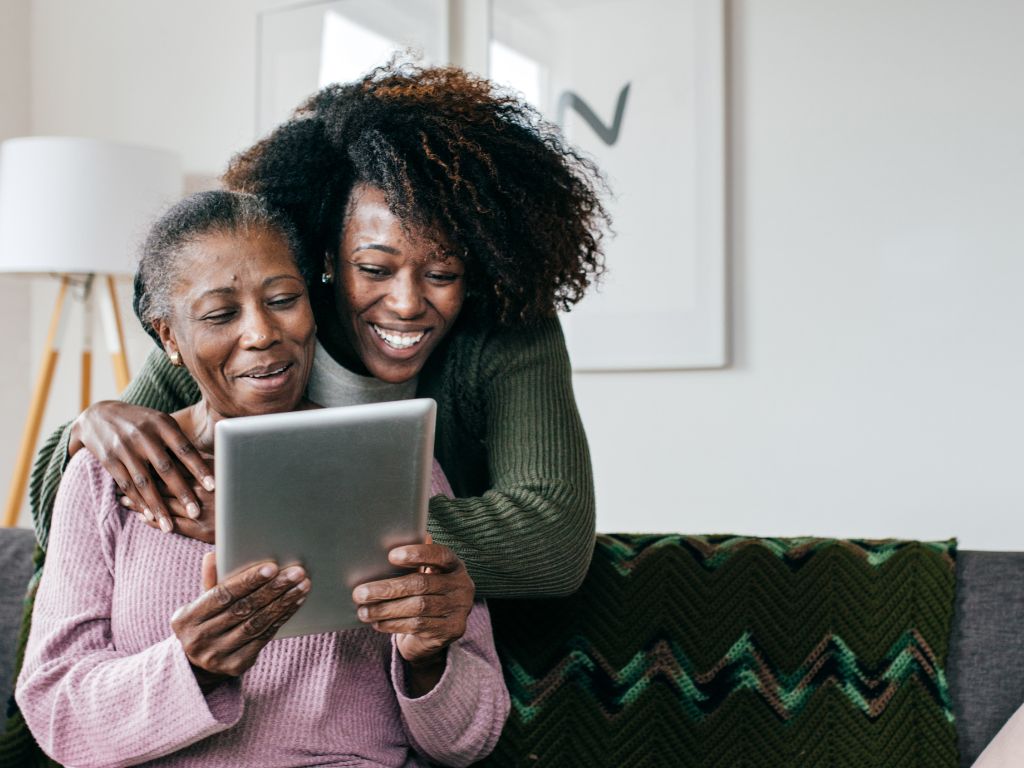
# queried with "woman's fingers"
point(427, 610)
point(425, 606)
point(437, 557)
point(446, 573)
point(233, 650)
point(222, 596)
point(209, 571)
point(224, 629)
point(235, 661)
point(170, 478)
point(201, 530)
point(137, 446)
point(252, 613)
point(136, 482)
point(185, 521)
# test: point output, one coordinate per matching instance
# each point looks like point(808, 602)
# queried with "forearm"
point(421, 677)
point(531, 533)
point(459, 720)
point(101, 707)
point(535, 540)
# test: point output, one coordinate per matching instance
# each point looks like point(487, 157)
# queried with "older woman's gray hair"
point(198, 215)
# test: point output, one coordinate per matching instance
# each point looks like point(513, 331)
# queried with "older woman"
point(446, 224)
point(130, 659)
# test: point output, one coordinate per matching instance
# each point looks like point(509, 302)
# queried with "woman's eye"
point(372, 271)
point(219, 317)
point(443, 277)
point(284, 301)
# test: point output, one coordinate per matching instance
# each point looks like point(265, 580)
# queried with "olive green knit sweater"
point(508, 436)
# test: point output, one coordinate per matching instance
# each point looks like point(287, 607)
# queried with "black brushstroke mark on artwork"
point(609, 134)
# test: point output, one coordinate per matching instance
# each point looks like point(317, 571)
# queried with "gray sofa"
point(986, 667)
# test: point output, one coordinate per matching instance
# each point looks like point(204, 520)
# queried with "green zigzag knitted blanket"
point(723, 651)
point(728, 651)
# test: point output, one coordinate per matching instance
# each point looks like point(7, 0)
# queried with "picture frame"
point(647, 102)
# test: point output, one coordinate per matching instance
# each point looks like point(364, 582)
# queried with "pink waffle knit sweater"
point(106, 682)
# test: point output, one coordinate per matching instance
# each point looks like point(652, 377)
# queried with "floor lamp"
point(76, 209)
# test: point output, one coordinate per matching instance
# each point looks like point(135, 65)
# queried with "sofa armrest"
point(986, 655)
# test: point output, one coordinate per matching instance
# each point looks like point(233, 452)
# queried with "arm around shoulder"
point(532, 532)
point(159, 385)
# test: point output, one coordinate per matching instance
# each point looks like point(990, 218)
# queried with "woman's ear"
point(327, 276)
point(168, 341)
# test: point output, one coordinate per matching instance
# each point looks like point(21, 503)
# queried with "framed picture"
point(639, 85)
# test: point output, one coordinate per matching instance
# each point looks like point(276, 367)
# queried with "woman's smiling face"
point(241, 322)
point(397, 293)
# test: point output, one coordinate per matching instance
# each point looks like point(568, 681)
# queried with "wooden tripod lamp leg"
point(115, 336)
point(87, 321)
point(36, 409)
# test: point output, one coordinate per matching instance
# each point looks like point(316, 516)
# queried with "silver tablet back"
point(333, 489)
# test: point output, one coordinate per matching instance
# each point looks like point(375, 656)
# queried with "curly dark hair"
point(474, 166)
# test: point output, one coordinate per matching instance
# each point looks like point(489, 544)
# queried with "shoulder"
point(84, 473)
point(487, 348)
point(88, 490)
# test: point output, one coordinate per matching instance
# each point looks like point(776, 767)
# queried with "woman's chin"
point(261, 403)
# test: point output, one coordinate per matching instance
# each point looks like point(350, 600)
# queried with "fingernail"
point(141, 517)
point(124, 501)
point(165, 525)
point(293, 574)
point(192, 510)
point(267, 571)
point(300, 601)
point(208, 483)
point(304, 586)
point(148, 514)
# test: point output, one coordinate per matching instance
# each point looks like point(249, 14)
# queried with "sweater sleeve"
point(158, 385)
point(459, 721)
point(531, 534)
point(86, 702)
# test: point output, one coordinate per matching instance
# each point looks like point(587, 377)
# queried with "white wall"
point(877, 193)
point(176, 75)
point(14, 291)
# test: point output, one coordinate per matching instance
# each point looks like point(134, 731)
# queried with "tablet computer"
point(333, 489)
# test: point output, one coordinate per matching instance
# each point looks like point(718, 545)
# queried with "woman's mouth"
point(398, 340)
point(268, 377)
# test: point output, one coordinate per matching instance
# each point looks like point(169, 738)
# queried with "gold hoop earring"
point(175, 358)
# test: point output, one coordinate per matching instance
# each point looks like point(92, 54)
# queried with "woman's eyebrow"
point(275, 278)
point(224, 290)
point(376, 247)
point(229, 289)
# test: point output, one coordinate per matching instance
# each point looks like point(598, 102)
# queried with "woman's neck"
point(331, 335)
point(199, 421)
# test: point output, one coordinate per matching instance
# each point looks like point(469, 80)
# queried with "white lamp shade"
point(73, 205)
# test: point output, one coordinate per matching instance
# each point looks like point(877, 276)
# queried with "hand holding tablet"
point(336, 490)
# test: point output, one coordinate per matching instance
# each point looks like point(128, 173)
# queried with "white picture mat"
point(305, 47)
point(663, 302)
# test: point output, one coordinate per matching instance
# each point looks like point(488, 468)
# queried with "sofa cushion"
point(986, 665)
point(16, 546)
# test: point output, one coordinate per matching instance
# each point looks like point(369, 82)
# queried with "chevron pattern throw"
point(731, 651)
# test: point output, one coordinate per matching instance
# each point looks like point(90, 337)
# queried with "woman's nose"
point(405, 299)
point(259, 331)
